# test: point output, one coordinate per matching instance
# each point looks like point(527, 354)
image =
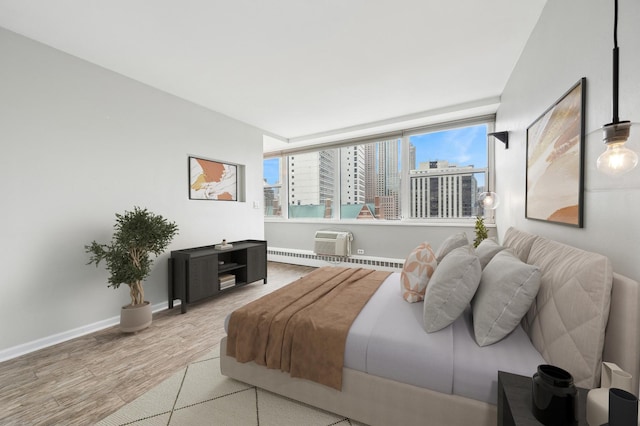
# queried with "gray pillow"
point(520, 242)
point(452, 242)
point(451, 288)
point(507, 289)
point(486, 250)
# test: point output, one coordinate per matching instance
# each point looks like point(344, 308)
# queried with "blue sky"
point(271, 170)
point(462, 146)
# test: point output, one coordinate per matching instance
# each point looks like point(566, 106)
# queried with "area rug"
point(200, 395)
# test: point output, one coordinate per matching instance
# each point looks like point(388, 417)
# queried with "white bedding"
point(476, 368)
point(387, 340)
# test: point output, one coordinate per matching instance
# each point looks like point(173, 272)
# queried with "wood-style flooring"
point(83, 380)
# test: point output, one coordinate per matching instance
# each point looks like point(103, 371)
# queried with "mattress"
point(387, 340)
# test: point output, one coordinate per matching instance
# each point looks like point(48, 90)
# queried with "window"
point(447, 172)
point(375, 176)
point(314, 180)
point(445, 169)
point(272, 186)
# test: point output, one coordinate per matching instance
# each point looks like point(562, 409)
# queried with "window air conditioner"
point(333, 243)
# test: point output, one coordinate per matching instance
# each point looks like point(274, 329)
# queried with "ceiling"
point(300, 70)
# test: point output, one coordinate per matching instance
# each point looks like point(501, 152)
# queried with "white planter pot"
point(135, 318)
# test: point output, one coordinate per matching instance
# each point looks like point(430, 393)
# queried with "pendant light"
point(488, 200)
point(617, 159)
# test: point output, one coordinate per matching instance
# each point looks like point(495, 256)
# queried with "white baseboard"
point(25, 348)
point(293, 256)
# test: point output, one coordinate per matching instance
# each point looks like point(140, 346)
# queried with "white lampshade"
point(489, 200)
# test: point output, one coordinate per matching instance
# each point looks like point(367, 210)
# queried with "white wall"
point(78, 144)
point(384, 239)
point(574, 39)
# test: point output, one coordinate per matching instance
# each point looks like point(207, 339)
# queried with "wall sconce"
point(617, 159)
point(502, 137)
point(489, 200)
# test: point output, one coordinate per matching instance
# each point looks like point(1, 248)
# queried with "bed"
point(582, 313)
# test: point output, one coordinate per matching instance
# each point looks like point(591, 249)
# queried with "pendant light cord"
point(615, 25)
point(616, 61)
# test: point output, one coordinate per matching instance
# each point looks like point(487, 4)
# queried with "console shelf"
point(225, 268)
point(194, 272)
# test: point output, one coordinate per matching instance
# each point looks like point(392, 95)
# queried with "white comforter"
point(387, 340)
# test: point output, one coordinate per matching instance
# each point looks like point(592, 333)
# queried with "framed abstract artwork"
point(212, 180)
point(555, 161)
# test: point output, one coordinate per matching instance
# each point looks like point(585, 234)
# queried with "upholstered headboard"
point(583, 313)
point(622, 339)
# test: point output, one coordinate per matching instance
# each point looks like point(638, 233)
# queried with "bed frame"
point(377, 401)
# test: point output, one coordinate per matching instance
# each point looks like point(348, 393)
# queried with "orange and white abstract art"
point(555, 160)
point(212, 180)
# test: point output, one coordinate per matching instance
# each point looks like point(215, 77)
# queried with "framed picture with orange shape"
point(212, 180)
point(555, 161)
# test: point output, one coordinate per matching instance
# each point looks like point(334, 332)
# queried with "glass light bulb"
point(489, 200)
point(617, 159)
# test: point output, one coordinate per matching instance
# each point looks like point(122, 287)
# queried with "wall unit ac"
point(333, 243)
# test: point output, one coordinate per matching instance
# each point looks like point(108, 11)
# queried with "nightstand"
point(514, 401)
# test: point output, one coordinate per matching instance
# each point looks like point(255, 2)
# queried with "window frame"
point(405, 178)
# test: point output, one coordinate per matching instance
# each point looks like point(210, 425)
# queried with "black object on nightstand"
point(514, 401)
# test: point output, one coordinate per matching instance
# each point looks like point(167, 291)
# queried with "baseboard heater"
point(307, 258)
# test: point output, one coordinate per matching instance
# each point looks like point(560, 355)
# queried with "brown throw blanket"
point(302, 328)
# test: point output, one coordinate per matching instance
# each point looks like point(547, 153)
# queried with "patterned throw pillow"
point(416, 272)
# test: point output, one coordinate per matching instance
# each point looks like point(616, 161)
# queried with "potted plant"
point(481, 231)
point(137, 235)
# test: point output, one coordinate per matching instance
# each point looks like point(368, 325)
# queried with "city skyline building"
point(364, 181)
point(352, 174)
point(412, 156)
point(442, 190)
point(311, 177)
point(370, 172)
point(387, 177)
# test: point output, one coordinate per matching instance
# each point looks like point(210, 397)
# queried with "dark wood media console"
point(196, 273)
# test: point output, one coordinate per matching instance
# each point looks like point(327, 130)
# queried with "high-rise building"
point(440, 190)
point(412, 157)
point(388, 178)
point(352, 174)
point(327, 175)
point(370, 172)
point(311, 177)
point(382, 177)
